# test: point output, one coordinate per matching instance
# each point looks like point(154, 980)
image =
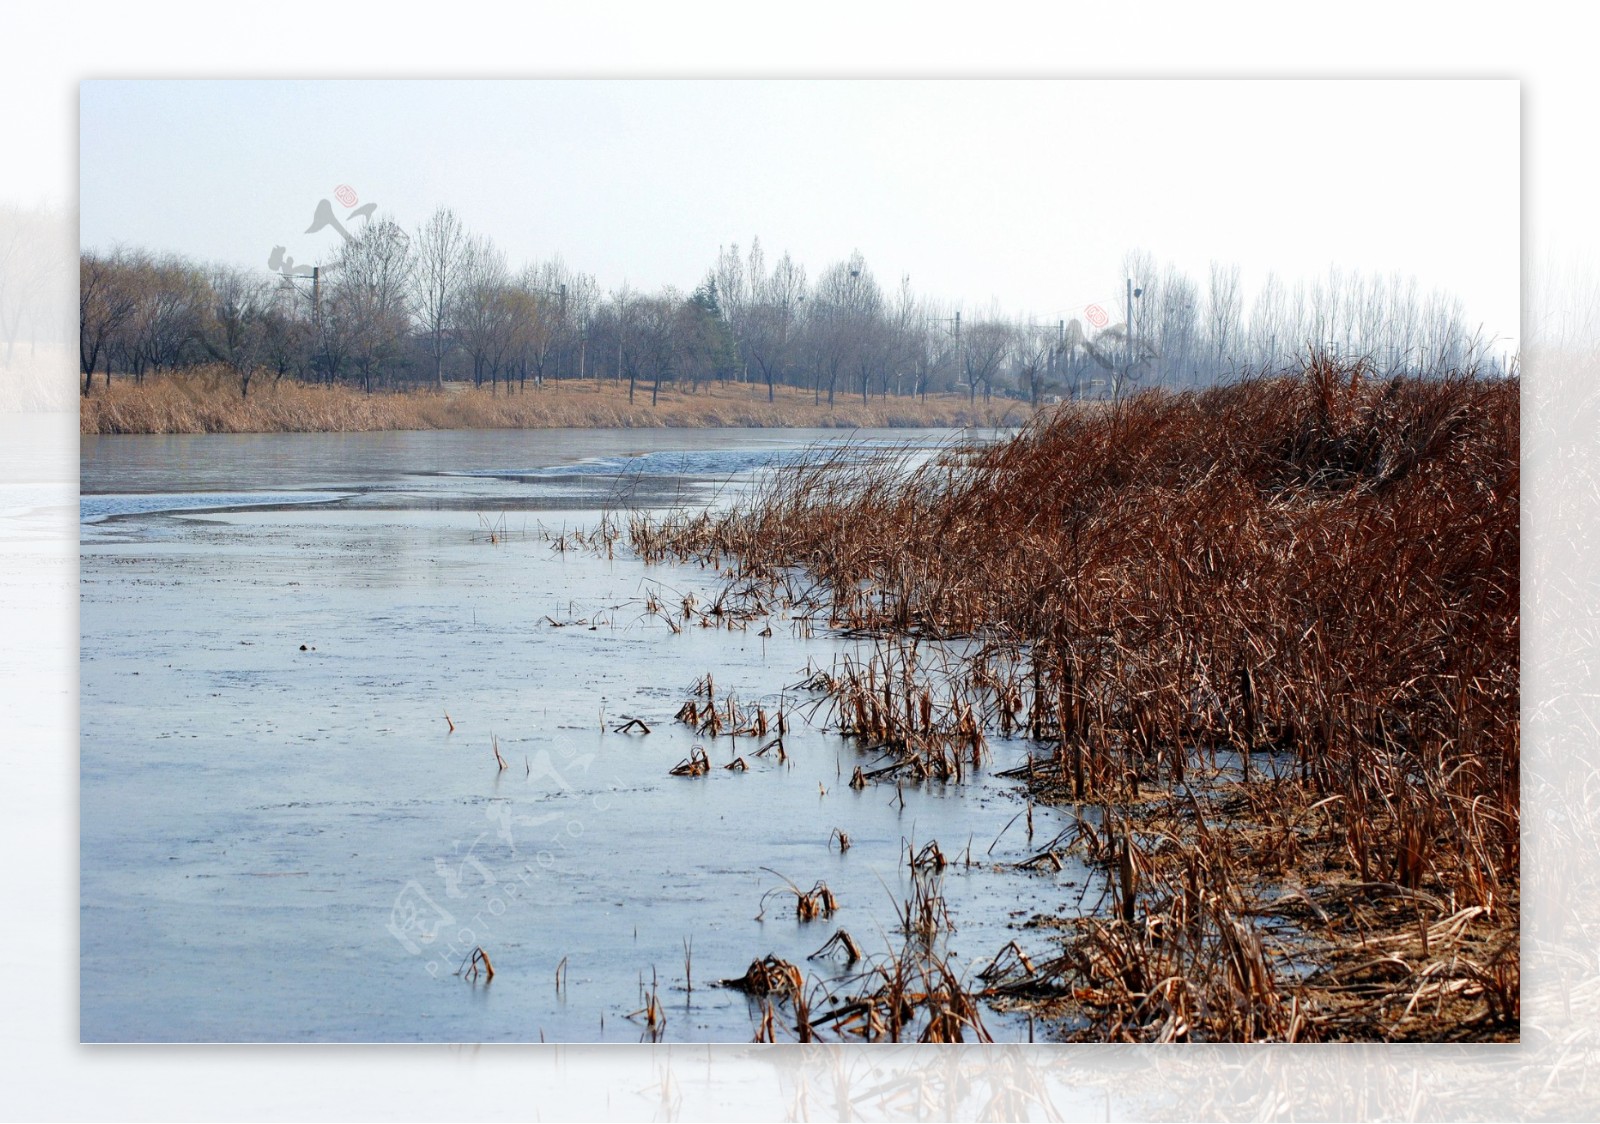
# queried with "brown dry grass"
point(1277, 624)
point(208, 401)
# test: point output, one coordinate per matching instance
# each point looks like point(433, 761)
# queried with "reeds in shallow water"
point(1279, 617)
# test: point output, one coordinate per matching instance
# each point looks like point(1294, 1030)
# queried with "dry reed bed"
point(208, 401)
point(1275, 623)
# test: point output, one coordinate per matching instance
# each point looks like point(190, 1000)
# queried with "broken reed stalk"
point(655, 1018)
point(475, 962)
point(819, 901)
point(840, 943)
point(697, 764)
point(930, 857)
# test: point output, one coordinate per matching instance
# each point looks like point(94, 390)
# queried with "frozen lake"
point(283, 840)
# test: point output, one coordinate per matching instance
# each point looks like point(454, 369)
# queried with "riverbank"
point(274, 629)
point(1264, 640)
point(210, 402)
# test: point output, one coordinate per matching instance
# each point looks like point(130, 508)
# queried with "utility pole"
point(316, 300)
point(1127, 364)
point(1127, 351)
point(316, 292)
point(583, 344)
point(956, 320)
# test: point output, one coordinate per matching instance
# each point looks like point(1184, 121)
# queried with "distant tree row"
point(33, 282)
point(438, 303)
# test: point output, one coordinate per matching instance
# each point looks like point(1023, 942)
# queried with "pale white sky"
point(1027, 193)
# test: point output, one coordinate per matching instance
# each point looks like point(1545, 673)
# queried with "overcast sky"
point(1027, 193)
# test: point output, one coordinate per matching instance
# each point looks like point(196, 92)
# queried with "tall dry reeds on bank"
point(1274, 626)
point(208, 400)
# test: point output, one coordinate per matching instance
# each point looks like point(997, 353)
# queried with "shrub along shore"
point(1264, 640)
point(209, 401)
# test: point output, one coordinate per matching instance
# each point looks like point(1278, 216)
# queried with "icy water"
point(283, 839)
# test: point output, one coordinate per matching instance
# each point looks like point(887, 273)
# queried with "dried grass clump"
point(770, 975)
point(703, 714)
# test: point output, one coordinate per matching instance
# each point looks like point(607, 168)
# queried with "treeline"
point(398, 308)
point(31, 280)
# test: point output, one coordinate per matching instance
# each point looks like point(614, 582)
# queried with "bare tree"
point(985, 347)
point(236, 331)
point(736, 291)
point(1171, 329)
point(549, 284)
point(1269, 327)
point(654, 333)
point(369, 292)
point(536, 316)
point(441, 247)
point(583, 304)
point(172, 299)
point(1222, 318)
point(1034, 349)
point(907, 337)
point(106, 301)
point(845, 308)
point(483, 313)
point(769, 324)
point(624, 315)
point(288, 335)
